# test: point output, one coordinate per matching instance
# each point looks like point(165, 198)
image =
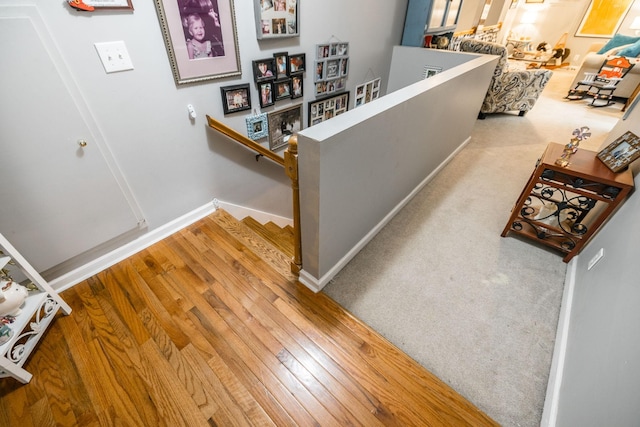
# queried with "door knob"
point(82, 143)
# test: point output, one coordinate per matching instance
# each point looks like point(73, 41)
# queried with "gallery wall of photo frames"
point(331, 68)
point(367, 92)
point(279, 77)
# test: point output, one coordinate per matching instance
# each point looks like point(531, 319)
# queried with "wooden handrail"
point(238, 137)
point(291, 168)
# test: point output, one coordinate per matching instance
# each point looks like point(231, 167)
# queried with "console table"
point(563, 207)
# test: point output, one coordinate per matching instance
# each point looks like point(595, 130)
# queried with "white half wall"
point(359, 167)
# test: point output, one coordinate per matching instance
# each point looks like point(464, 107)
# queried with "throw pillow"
point(630, 51)
point(618, 40)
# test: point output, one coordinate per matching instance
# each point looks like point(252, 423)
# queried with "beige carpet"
point(478, 310)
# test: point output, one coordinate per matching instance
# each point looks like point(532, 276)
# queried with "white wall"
point(600, 375)
point(360, 168)
point(172, 164)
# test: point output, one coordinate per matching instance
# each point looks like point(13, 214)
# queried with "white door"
point(57, 198)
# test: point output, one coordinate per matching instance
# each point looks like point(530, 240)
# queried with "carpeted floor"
point(478, 310)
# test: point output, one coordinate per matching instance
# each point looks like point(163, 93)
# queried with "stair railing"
point(290, 163)
point(238, 137)
point(291, 168)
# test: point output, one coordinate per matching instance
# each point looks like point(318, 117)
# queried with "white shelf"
point(37, 313)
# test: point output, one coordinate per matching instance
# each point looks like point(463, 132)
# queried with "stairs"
point(269, 242)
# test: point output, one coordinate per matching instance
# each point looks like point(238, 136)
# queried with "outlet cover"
point(114, 56)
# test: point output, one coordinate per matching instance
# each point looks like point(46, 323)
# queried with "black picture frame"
point(621, 152)
point(326, 108)
point(297, 64)
point(297, 86)
point(282, 64)
point(235, 98)
point(264, 69)
point(282, 89)
point(266, 94)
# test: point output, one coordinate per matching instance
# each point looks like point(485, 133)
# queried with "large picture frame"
point(621, 152)
point(276, 18)
point(235, 98)
point(603, 18)
point(200, 57)
point(326, 108)
point(282, 124)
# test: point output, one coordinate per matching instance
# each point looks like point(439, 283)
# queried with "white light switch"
point(114, 56)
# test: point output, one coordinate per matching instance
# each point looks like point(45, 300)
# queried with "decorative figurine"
point(578, 135)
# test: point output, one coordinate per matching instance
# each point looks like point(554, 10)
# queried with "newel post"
point(291, 167)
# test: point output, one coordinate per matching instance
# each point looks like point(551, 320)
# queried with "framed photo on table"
point(621, 152)
point(276, 18)
point(201, 41)
point(282, 124)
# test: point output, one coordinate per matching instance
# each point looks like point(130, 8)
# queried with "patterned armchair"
point(509, 90)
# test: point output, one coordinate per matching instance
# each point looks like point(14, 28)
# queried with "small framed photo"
point(265, 89)
point(367, 92)
point(283, 89)
point(319, 71)
point(264, 69)
point(276, 18)
point(257, 126)
point(321, 88)
point(324, 109)
point(282, 62)
point(322, 51)
point(297, 64)
point(282, 124)
point(332, 69)
point(343, 49)
point(430, 71)
point(621, 152)
point(296, 86)
point(235, 98)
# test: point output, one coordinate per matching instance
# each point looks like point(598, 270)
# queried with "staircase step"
point(260, 246)
point(273, 233)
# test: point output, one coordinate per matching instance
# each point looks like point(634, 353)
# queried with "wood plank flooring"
point(209, 328)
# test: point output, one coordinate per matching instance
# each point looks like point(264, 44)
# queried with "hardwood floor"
point(209, 328)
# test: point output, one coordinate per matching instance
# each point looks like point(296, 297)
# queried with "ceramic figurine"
point(571, 148)
point(12, 296)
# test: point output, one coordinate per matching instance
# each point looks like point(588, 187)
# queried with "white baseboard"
point(99, 264)
point(550, 410)
point(93, 267)
point(316, 284)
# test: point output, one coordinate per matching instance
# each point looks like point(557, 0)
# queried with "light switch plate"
point(114, 56)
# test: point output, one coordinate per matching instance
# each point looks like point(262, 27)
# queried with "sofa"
point(508, 90)
point(594, 60)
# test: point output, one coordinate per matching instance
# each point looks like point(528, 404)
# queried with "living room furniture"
point(508, 90)
point(593, 61)
point(563, 207)
point(601, 85)
point(38, 311)
point(429, 17)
